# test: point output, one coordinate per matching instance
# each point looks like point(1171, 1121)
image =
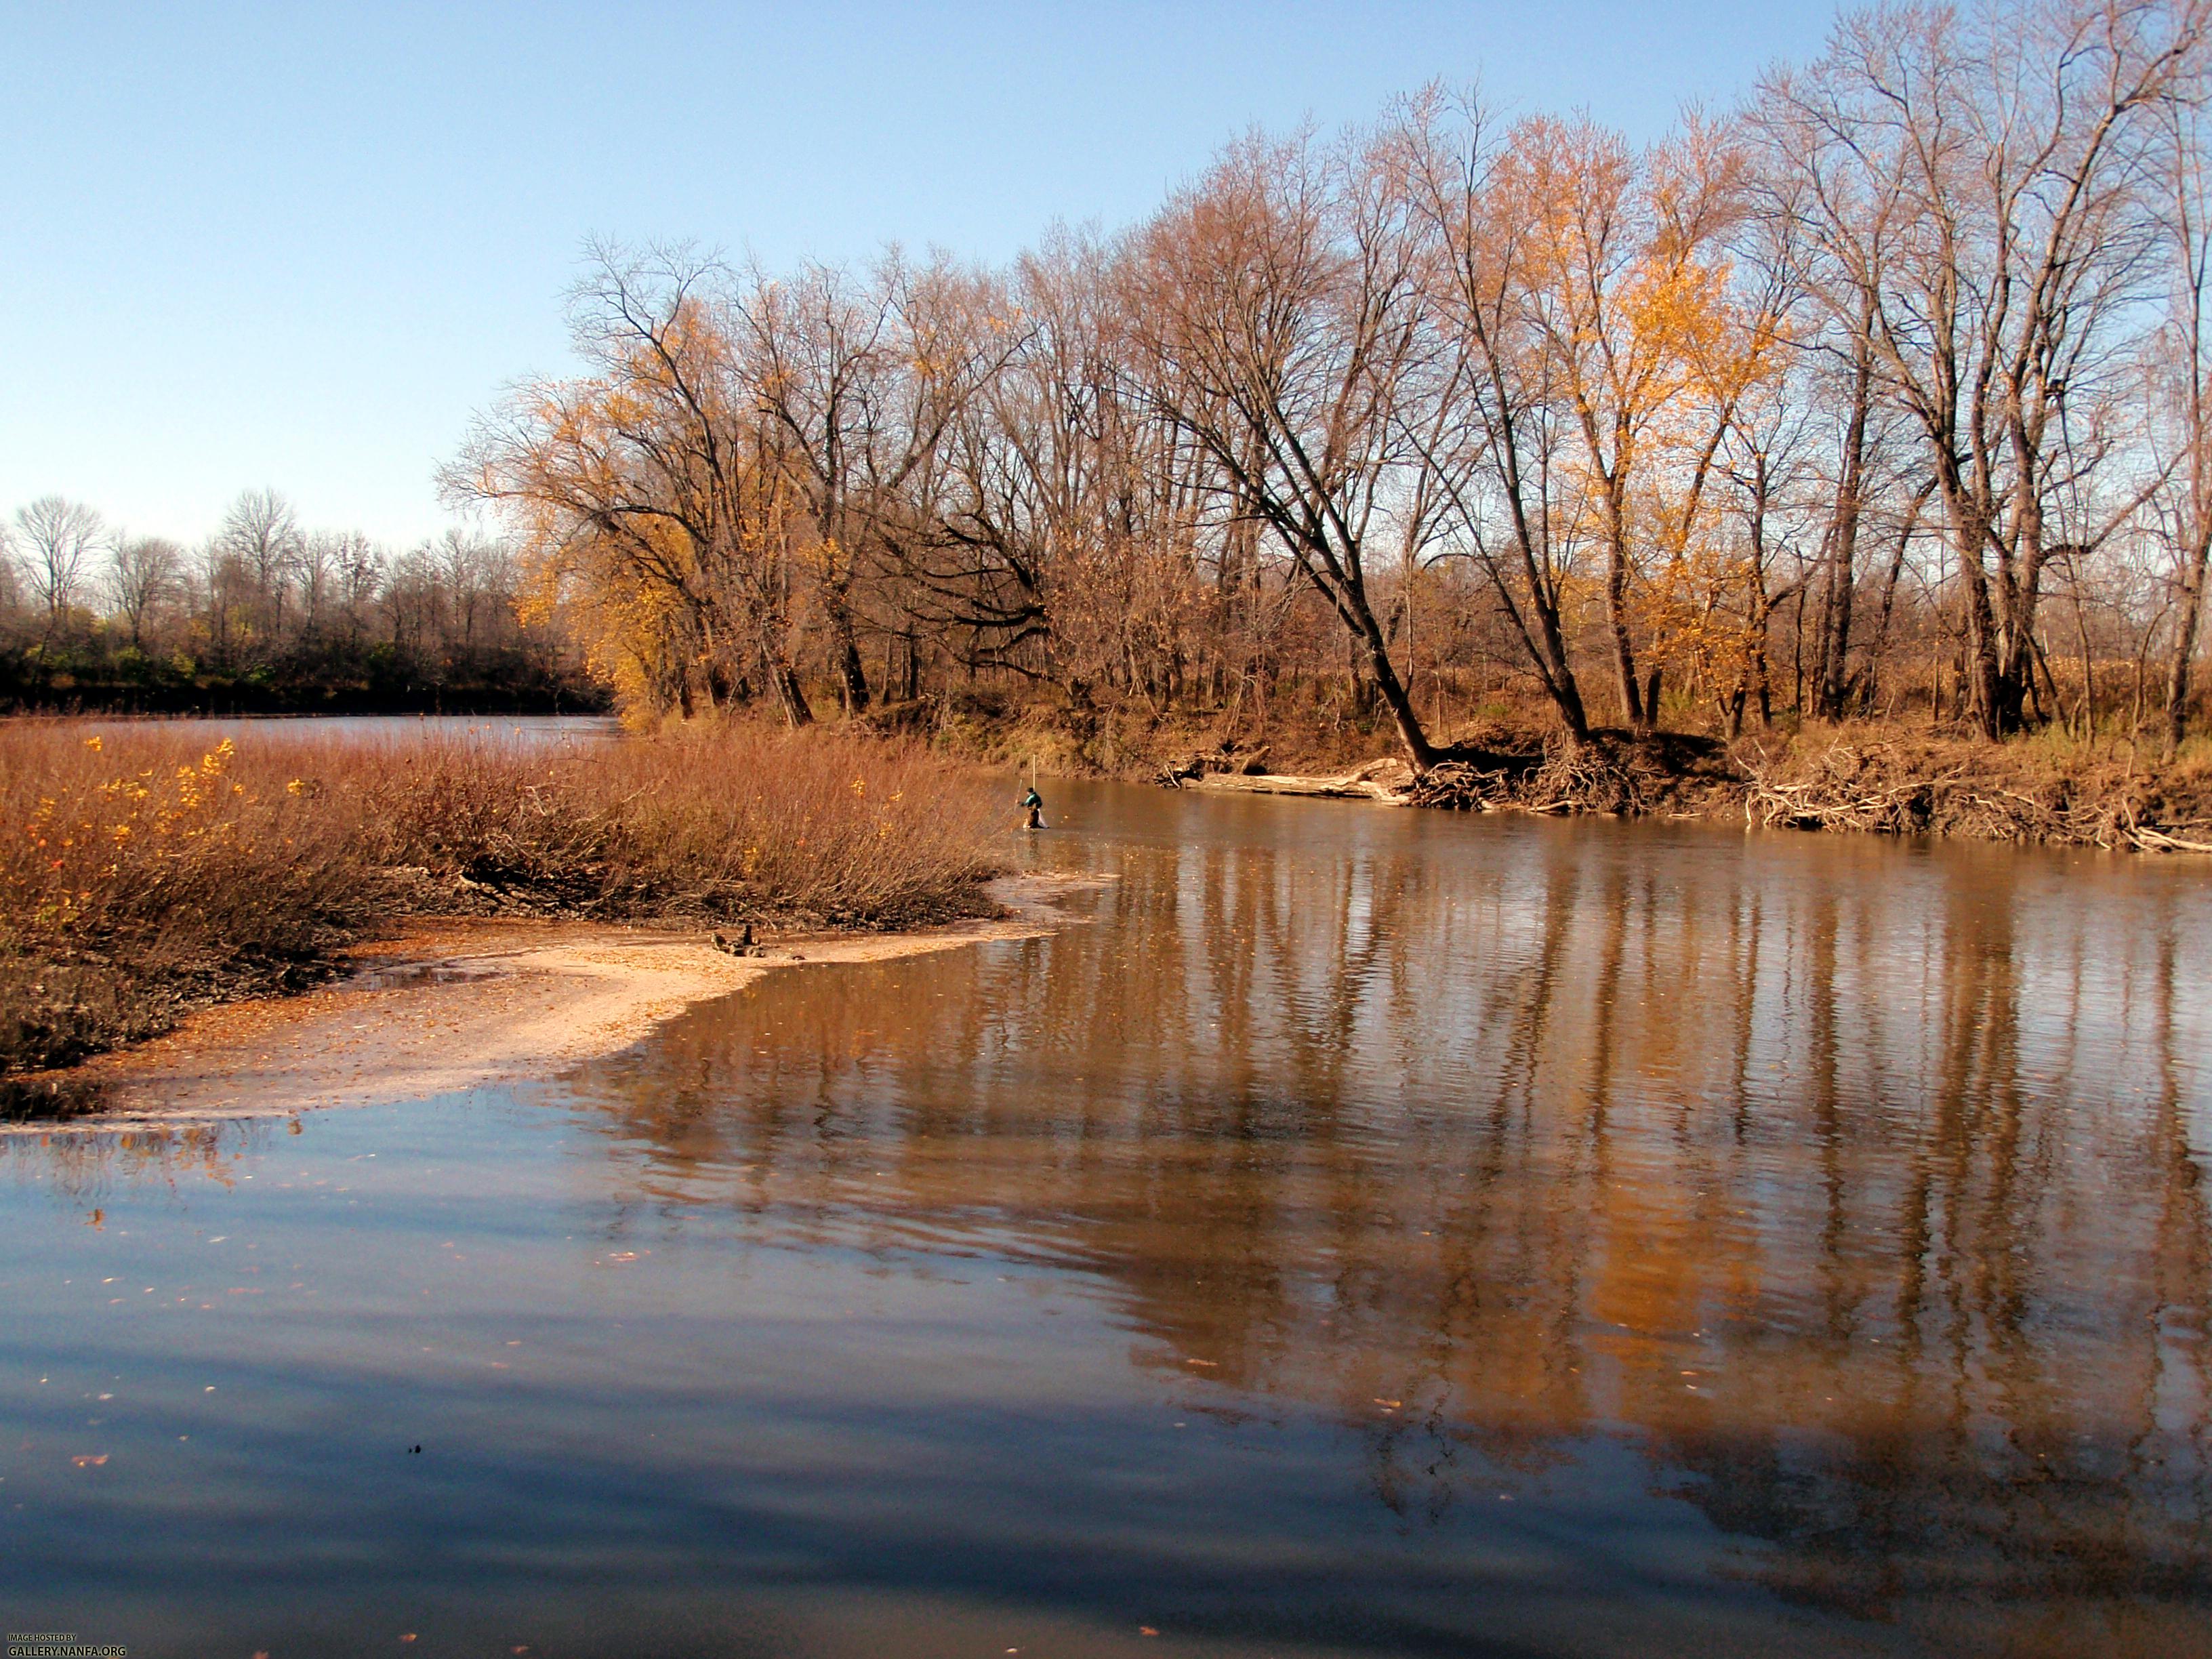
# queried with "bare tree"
point(648, 492)
point(357, 575)
point(1494, 436)
point(144, 575)
point(1279, 317)
point(315, 574)
point(260, 535)
point(54, 541)
point(856, 384)
point(1824, 399)
point(2182, 372)
point(2012, 143)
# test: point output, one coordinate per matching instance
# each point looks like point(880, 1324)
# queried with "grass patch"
point(144, 872)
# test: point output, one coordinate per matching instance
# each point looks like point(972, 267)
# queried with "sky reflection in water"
point(1378, 1232)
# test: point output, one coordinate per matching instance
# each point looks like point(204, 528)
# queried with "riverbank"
point(455, 1003)
point(1894, 777)
point(1899, 785)
point(146, 873)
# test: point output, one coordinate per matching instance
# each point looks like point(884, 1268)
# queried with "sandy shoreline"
point(462, 1003)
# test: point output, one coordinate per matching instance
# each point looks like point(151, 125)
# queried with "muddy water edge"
point(1368, 1232)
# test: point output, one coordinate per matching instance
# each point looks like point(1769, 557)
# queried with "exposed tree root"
point(1859, 787)
point(1918, 784)
point(1608, 775)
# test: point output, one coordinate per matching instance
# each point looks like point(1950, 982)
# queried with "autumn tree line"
point(266, 615)
point(1882, 394)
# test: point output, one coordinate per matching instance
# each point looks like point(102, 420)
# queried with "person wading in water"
point(1033, 803)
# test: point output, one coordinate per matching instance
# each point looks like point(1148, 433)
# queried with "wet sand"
point(449, 1005)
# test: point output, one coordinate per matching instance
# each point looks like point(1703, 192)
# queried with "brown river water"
point(1367, 1233)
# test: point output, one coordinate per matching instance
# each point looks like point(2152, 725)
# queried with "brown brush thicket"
point(1880, 398)
point(723, 820)
point(145, 870)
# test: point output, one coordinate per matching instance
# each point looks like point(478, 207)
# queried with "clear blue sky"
point(299, 245)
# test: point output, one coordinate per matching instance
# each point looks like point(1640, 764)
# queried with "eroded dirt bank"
point(459, 1004)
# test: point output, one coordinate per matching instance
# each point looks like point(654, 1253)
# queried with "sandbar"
point(446, 1005)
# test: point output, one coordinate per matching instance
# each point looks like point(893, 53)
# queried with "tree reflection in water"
point(1855, 1184)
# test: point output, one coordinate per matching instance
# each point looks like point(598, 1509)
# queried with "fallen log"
point(1339, 788)
point(1380, 780)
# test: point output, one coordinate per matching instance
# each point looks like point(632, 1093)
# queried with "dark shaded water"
point(1376, 1232)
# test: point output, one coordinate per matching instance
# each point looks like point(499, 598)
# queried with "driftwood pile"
point(1857, 788)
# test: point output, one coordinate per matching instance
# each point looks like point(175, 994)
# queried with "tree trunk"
point(790, 695)
point(1418, 749)
point(1616, 616)
point(1832, 679)
point(2184, 643)
point(851, 673)
point(1869, 684)
point(1983, 687)
point(854, 675)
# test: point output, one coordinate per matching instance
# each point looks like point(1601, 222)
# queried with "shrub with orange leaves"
point(142, 868)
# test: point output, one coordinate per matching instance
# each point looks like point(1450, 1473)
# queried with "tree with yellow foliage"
point(1628, 288)
point(649, 497)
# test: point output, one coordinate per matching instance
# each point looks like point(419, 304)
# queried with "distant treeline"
point(268, 617)
point(1884, 394)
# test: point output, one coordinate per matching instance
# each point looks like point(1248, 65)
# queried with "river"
point(523, 731)
point(1366, 1232)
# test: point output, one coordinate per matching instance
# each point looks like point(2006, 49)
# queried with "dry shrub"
point(145, 869)
point(712, 820)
